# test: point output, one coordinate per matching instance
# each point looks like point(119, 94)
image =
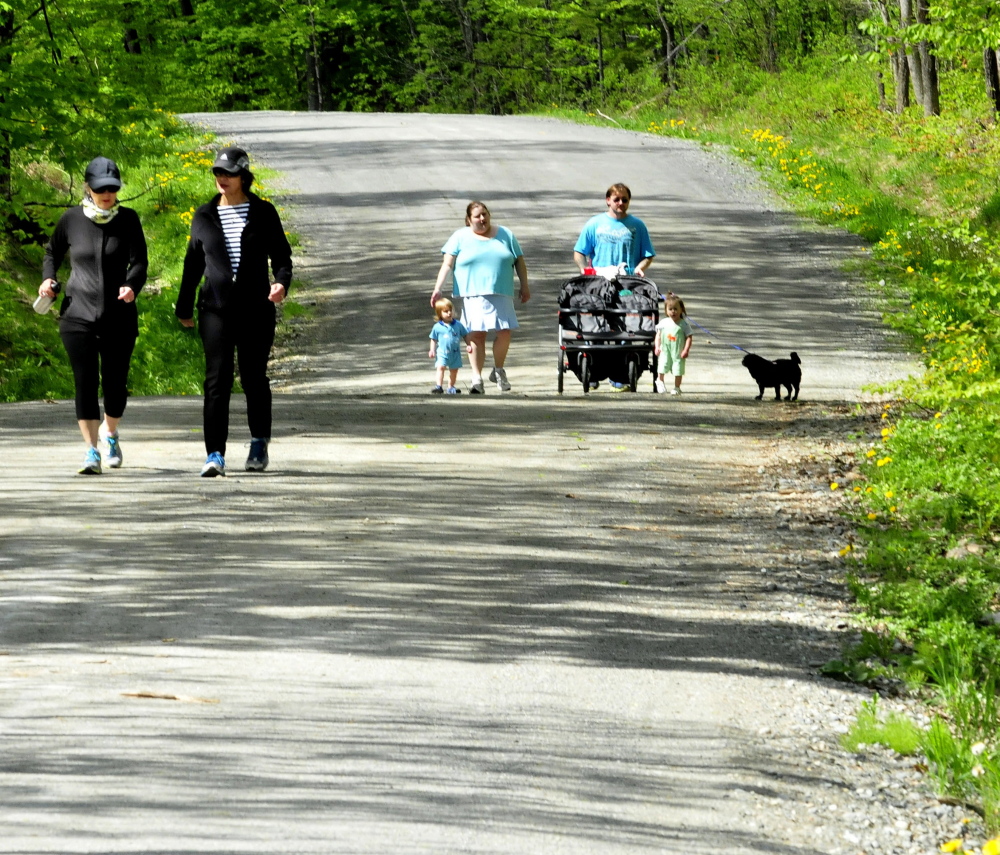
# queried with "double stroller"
point(606, 330)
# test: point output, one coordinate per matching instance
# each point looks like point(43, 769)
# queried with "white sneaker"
point(499, 376)
point(661, 387)
point(675, 391)
point(114, 456)
point(477, 387)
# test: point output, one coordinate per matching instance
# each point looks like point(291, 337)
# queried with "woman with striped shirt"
point(239, 246)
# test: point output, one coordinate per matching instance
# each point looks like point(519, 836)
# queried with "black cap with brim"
point(102, 175)
point(232, 160)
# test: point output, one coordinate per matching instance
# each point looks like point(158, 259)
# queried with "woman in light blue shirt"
point(482, 259)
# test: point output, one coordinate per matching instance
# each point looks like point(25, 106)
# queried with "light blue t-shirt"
point(609, 242)
point(483, 266)
point(449, 338)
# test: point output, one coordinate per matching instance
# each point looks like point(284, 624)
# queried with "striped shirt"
point(234, 218)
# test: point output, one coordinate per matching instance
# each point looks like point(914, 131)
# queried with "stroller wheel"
point(633, 373)
point(585, 372)
point(562, 371)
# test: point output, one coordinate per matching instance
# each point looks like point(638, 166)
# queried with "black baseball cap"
point(232, 160)
point(102, 175)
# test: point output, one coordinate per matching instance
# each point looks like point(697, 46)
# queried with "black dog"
point(781, 372)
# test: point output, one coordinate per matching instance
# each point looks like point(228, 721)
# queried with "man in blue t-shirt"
point(615, 242)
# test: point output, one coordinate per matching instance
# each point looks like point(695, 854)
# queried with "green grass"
point(872, 727)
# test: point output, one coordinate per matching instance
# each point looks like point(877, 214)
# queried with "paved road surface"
point(518, 624)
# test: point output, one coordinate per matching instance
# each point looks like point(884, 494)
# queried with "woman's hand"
point(522, 277)
point(186, 322)
point(47, 288)
point(435, 296)
point(126, 294)
point(277, 292)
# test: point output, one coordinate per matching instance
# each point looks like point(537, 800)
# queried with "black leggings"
point(99, 355)
point(250, 339)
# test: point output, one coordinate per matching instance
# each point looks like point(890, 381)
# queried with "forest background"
point(875, 116)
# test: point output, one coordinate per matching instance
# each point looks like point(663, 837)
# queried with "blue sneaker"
point(91, 462)
point(258, 459)
point(215, 464)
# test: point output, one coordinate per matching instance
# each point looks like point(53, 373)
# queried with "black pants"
point(99, 354)
point(250, 339)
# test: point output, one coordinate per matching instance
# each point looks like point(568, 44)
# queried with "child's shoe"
point(437, 390)
point(454, 391)
point(675, 391)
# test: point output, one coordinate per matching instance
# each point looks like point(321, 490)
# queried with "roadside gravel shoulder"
point(870, 801)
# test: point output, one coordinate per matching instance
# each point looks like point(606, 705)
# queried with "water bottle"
point(43, 304)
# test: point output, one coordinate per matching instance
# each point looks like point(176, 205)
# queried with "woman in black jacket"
point(98, 321)
point(232, 239)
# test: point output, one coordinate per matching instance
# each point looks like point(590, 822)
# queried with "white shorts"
point(488, 313)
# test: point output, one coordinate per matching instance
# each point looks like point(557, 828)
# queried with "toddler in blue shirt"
point(445, 349)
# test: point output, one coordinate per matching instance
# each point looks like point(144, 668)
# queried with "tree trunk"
point(914, 59)
point(769, 57)
point(931, 99)
point(883, 105)
point(667, 40)
point(314, 98)
point(6, 59)
point(991, 66)
point(897, 63)
point(901, 73)
point(187, 8)
point(600, 61)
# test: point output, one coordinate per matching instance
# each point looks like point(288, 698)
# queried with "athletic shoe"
point(215, 464)
point(452, 390)
point(499, 376)
point(661, 387)
point(675, 391)
point(91, 462)
point(477, 388)
point(257, 460)
point(114, 455)
point(437, 390)
point(618, 387)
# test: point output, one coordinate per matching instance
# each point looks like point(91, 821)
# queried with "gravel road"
point(525, 623)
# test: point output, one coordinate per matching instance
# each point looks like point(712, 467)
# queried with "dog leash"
point(713, 335)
